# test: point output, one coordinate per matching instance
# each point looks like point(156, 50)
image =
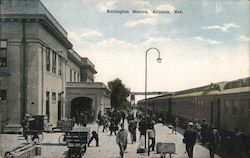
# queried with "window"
point(48, 59)
point(226, 107)
point(3, 53)
point(70, 76)
point(2, 94)
point(53, 96)
point(235, 105)
point(59, 96)
point(54, 62)
point(74, 76)
point(78, 77)
point(59, 66)
point(48, 105)
point(47, 96)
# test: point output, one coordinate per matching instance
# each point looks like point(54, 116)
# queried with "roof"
point(237, 90)
point(226, 87)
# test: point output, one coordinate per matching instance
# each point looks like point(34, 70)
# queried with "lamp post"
point(159, 61)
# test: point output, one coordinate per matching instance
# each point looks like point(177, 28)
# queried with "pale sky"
point(209, 42)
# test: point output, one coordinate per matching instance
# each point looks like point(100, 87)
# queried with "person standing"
point(25, 124)
point(213, 140)
point(77, 118)
point(151, 135)
point(204, 131)
point(190, 139)
point(94, 136)
point(113, 126)
point(123, 115)
point(121, 139)
point(105, 123)
point(83, 119)
point(132, 129)
point(238, 141)
point(142, 127)
point(100, 120)
point(175, 124)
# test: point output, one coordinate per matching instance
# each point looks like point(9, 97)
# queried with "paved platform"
point(107, 145)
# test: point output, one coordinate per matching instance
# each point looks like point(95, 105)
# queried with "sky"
point(207, 42)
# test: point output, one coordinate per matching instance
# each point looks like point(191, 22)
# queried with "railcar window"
point(226, 106)
point(235, 106)
point(243, 105)
point(198, 106)
point(202, 105)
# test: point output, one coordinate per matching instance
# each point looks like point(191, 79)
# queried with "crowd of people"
point(196, 131)
point(81, 118)
point(112, 121)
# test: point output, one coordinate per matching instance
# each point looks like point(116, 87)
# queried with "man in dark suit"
point(190, 139)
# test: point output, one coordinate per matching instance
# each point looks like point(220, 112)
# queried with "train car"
point(198, 104)
point(225, 105)
point(161, 103)
point(158, 103)
point(235, 106)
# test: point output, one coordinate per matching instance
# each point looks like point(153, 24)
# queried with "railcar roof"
point(226, 87)
point(236, 90)
point(201, 93)
point(212, 89)
point(165, 96)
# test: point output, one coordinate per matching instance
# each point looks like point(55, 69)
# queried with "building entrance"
point(82, 105)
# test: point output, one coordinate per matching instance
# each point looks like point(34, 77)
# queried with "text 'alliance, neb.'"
point(117, 11)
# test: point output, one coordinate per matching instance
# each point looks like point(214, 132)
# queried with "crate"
point(38, 122)
point(65, 125)
point(66, 128)
point(162, 147)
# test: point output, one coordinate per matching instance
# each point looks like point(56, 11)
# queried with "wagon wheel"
point(38, 139)
point(84, 148)
point(62, 139)
point(79, 155)
point(29, 138)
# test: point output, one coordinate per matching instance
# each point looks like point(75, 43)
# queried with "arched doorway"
point(82, 105)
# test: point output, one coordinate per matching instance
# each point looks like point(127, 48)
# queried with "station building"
point(40, 73)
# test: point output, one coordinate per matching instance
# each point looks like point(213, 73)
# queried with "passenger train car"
point(225, 105)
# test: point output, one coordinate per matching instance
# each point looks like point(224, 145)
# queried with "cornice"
point(43, 20)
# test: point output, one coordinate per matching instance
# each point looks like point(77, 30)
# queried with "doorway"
point(82, 105)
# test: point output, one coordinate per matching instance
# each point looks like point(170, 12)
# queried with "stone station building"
point(40, 73)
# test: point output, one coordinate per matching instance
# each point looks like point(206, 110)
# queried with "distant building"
point(40, 73)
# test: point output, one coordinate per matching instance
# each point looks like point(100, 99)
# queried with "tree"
point(119, 94)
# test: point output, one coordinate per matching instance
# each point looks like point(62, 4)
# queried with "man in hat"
point(25, 124)
point(190, 139)
point(213, 140)
point(121, 139)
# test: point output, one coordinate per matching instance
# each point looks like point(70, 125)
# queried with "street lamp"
point(159, 61)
